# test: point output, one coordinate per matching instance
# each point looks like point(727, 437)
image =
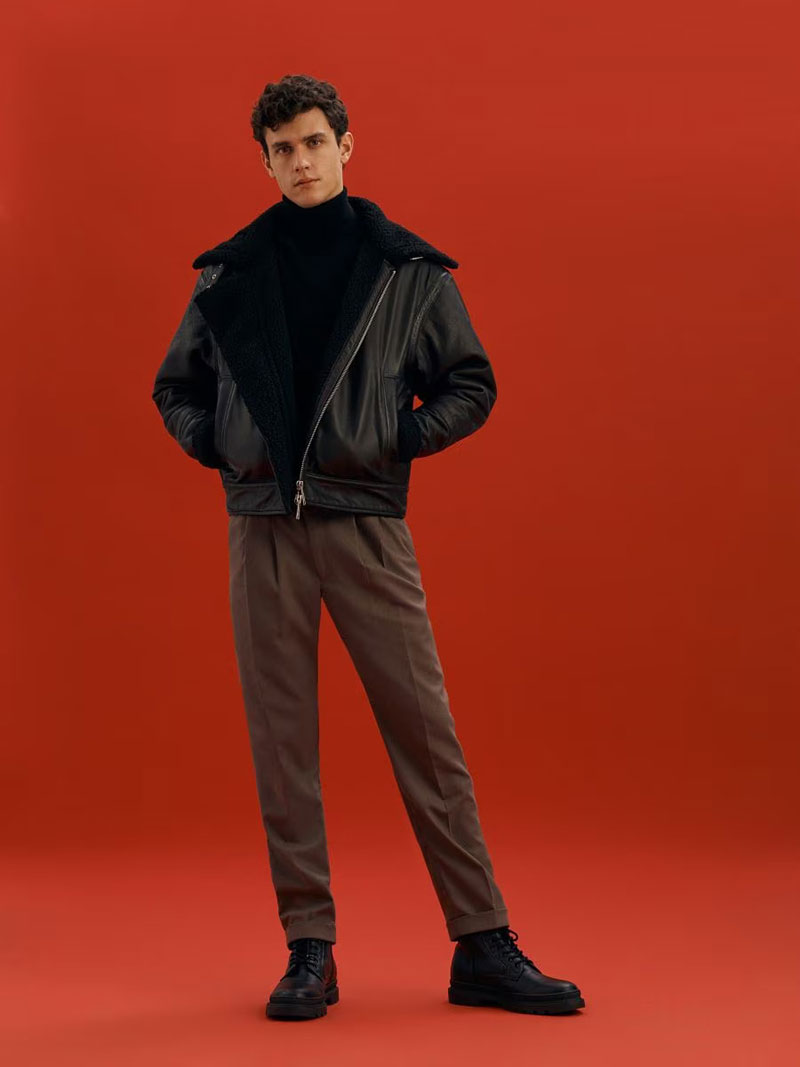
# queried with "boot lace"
point(505, 940)
point(308, 951)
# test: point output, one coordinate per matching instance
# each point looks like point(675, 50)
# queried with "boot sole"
point(484, 996)
point(302, 1007)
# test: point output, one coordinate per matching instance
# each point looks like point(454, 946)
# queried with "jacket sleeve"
point(185, 389)
point(451, 374)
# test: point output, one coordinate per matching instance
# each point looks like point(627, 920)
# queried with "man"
point(293, 372)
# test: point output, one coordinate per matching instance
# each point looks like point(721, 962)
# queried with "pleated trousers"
point(365, 569)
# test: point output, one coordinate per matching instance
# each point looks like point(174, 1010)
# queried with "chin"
point(302, 195)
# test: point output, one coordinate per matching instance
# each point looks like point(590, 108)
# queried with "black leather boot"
point(309, 983)
point(489, 969)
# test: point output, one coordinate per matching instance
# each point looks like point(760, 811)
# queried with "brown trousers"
point(366, 570)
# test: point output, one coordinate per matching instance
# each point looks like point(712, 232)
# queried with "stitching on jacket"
point(435, 290)
point(426, 303)
point(353, 481)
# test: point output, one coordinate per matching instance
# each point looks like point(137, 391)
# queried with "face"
point(305, 151)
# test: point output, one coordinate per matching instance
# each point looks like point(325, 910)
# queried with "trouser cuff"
point(470, 924)
point(309, 928)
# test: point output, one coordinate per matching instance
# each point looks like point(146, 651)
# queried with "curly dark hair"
point(293, 94)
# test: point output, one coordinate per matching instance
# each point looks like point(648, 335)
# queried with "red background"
point(610, 562)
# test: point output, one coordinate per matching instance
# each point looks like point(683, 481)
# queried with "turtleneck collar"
point(321, 224)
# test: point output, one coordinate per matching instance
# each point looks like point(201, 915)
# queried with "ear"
point(346, 147)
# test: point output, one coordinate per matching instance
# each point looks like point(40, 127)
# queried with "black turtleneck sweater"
point(316, 249)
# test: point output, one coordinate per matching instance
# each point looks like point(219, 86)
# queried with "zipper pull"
point(299, 497)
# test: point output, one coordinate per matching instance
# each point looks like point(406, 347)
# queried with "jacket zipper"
point(300, 496)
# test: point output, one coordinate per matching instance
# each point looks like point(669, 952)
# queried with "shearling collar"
point(394, 241)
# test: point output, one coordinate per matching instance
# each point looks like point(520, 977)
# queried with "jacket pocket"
point(389, 400)
point(241, 443)
point(225, 393)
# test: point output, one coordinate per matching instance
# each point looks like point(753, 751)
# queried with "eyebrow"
point(277, 144)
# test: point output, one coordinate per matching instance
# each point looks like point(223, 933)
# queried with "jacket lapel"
point(244, 310)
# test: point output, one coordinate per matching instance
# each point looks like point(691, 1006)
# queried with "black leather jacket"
point(225, 387)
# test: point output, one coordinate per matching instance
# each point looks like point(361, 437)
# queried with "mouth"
point(307, 181)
